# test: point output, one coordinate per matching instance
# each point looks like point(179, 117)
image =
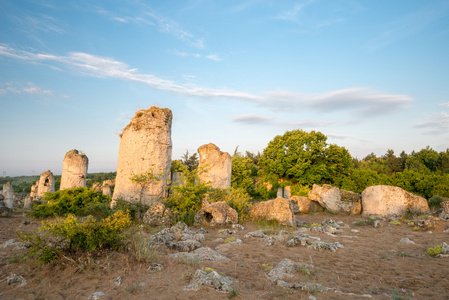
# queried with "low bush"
point(54, 238)
point(435, 251)
point(436, 201)
point(77, 201)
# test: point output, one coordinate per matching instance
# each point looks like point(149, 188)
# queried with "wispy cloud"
point(446, 104)
point(162, 23)
point(356, 101)
point(437, 124)
point(184, 54)
point(359, 101)
point(292, 14)
point(29, 88)
point(345, 137)
point(43, 23)
point(214, 57)
point(252, 119)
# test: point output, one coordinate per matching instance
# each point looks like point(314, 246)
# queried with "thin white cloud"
point(30, 89)
point(292, 14)
point(43, 23)
point(446, 104)
point(437, 124)
point(357, 101)
point(345, 137)
point(184, 54)
point(214, 57)
point(251, 118)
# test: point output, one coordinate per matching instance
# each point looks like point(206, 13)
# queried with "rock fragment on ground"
point(210, 278)
point(200, 254)
point(96, 295)
point(16, 278)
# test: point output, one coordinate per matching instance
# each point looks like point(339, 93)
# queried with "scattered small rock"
point(212, 278)
point(238, 227)
point(377, 223)
point(96, 295)
point(226, 231)
point(118, 281)
point(16, 278)
point(406, 241)
point(200, 254)
point(286, 268)
point(256, 234)
point(155, 267)
point(320, 245)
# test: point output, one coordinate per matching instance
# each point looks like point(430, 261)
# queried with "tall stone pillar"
point(145, 147)
point(215, 167)
point(74, 170)
point(8, 194)
point(46, 184)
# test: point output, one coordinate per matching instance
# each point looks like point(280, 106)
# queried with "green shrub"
point(237, 198)
point(436, 201)
point(70, 235)
point(435, 251)
point(78, 201)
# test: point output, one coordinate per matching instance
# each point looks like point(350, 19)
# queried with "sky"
point(370, 75)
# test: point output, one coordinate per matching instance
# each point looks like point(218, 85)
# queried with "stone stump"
point(215, 166)
point(97, 187)
point(306, 205)
point(8, 194)
point(74, 170)
point(145, 150)
point(46, 184)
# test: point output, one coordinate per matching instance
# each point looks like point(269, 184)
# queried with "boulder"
point(384, 200)
point(5, 211)
point(217, 213)
point(279, 209)
point(335, 200)
point(444, 210)
point(306, 205)
point(215, 166)
point(158, 215)
point(74, 170)
point(145, 150)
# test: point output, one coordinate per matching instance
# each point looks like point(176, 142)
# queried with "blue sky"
point(371, 75)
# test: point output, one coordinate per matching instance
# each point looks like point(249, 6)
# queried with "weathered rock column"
point(46, 184)
point(215, 166)
point(8, 194)
point(34, 190)
point(145, 148)
point(74, 170)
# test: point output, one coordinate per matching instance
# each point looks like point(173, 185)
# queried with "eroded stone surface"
point(212, 278)
point(145, 147)
point(335, 200)
point(215, 166)
point(305, 205)
point(216, 214)
point(46, 184)
point(157, 215)
point(74, 170)
point(278, 209)
point(8, 194)
point(200, 254)
point(386, 200)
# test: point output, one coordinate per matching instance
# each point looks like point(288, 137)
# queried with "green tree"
point(241, 173)
point(303, 157)
point(190, 161)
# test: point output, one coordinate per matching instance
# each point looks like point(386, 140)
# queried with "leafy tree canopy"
point(305, 158)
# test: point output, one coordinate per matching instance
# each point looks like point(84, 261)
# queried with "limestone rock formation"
point(97, 187)
point(158, 215)
point(46, 184)
point(8, 194)
point(306, 205)
point(385, 200)
point(278, 209)
point(34, 190)
point(74, 170)
point(444, 210)
point(145, 150)
point(215, 166)
point(335, 200)
point(217, 213)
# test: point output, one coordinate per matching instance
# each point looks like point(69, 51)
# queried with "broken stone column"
point(145, 150)
point(74, 170)
point(106, 187)
point(46, 184)
point(215, 166)
point(8, 194)
point(27, 204)
point(97, 187)
point(34, 190)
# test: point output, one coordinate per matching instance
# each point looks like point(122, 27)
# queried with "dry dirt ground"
point(372, 264)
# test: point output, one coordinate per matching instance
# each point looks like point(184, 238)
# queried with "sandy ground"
point(372, 262)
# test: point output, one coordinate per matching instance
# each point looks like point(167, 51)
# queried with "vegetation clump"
point(77, 201)
point(435, 251)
